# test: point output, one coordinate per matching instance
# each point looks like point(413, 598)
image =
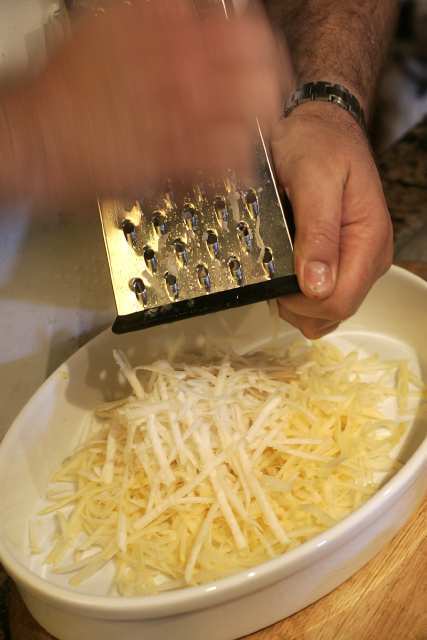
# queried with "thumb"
point(316, 198)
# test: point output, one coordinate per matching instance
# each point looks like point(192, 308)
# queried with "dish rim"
point(227, 588)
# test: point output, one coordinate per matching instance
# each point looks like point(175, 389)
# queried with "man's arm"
point(343, 240)
point(341, 41)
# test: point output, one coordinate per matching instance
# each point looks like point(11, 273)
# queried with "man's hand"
point(141, 92)
point(343, 231)
point(325, 162)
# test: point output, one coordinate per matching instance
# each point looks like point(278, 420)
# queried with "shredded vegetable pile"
point(208, 469)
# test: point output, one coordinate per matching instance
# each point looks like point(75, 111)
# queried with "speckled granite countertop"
point(404, 172)
point(403, 169)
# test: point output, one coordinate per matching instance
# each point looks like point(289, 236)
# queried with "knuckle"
point(341, 310)
point(317, 170)
point(318, 234)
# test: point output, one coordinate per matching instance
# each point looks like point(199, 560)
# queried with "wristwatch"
point(327, 92)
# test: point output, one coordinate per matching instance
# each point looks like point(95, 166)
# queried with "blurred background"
point(402, 94)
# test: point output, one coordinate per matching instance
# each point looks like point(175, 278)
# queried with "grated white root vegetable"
point(209, 469)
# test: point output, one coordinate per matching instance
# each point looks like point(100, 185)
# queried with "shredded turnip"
point(210, 468)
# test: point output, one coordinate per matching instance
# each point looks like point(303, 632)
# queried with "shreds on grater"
point(217, 246)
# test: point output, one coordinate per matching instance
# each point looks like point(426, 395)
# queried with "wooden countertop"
point(386, 600)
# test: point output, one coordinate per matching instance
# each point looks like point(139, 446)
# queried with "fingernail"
point(318, 278)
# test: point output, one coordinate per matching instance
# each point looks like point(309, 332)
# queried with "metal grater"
point(219, 245)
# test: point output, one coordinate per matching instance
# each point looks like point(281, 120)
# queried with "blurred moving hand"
point(140, 92)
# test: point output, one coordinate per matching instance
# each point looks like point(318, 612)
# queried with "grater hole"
point(236, 269)
point(221, 209)
point(150, 259)
point(137, 285)
point(160, 222)
point(172, 285)
point(252, 202)
point(190, 215)
point(245, 235)
point(203, 276)
point(181, 251)
point(212, 242)
point(268, 261)
point(129, 231)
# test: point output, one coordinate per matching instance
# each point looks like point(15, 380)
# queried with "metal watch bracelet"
point(327, 92)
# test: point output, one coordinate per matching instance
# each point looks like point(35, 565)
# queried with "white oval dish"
point(392, 321)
